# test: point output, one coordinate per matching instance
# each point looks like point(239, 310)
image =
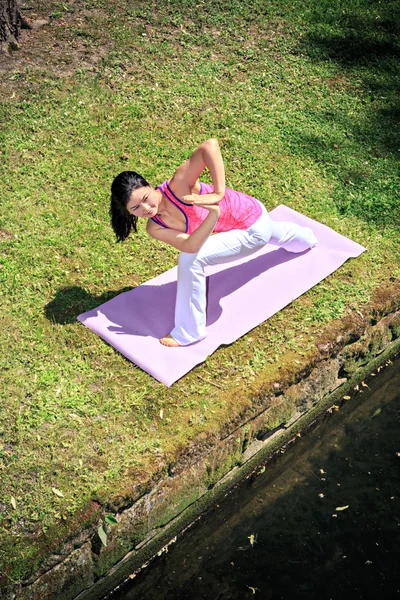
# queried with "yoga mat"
point(248, 292)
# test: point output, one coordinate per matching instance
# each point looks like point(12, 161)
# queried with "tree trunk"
point(10, 22)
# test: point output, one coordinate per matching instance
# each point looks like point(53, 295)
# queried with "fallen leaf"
point(347, 397)
point(102, 534)
point(338, 508)
point(132, 576)
point(253, 589)
point(57, 492)
point(378, 410)
point(322, 471)
point(161, 413)
point(252, 539)
point(364, 384)
point(13, 502)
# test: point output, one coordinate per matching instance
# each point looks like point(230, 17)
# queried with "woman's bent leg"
point(190, 308)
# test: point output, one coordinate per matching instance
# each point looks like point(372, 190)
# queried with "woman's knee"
point(188, 260)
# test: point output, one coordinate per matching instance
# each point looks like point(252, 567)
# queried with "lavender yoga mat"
point(248, 292)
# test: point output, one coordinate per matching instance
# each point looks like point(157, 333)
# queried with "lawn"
point(304, 100)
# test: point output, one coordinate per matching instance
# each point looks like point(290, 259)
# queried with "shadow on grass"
point(69, 302)
point(364, 42)
point(149, 309)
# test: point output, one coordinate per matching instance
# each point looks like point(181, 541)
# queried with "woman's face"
point(144, 202)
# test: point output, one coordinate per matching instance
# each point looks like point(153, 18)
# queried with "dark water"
point(304, 545)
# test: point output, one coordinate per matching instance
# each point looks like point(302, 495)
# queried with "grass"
point(304, 100)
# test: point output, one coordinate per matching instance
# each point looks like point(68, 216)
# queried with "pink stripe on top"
point(238, 210)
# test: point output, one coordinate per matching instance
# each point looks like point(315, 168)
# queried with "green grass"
point(303, 98)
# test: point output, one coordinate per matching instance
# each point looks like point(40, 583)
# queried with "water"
point(285, 533)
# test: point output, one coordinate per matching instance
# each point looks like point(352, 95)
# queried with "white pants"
point(190, 308)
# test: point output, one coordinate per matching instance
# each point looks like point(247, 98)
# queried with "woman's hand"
point(203, 200)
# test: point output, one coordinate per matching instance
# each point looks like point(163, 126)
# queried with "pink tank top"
point(238, 210)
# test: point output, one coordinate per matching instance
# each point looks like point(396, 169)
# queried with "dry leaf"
point(57, 492)
point(346, 397)
point(13, 502)
point(342, 507)
point(161, 413)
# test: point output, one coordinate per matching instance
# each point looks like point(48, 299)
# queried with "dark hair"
point(123, 185)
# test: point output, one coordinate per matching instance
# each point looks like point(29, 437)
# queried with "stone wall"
point(86, 569)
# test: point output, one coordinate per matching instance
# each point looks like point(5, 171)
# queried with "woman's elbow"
point(211, 142)
point(190, 247)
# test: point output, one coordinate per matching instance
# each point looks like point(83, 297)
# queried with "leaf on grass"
point(57, 492)
point(342, 507)
point(161, 413)
point(346, 397)
point(111, 519)
point(13, 503)
point(102, 535)
point(378, 410)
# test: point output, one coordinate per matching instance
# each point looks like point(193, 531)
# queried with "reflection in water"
point(287, 533)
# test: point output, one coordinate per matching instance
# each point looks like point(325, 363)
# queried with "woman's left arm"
point(184, 182)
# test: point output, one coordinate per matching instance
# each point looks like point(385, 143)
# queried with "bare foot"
point(168, 340)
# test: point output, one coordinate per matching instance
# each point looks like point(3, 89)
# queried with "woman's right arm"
point(183, 241)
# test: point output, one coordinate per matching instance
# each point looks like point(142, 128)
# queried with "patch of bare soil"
point(58, 43)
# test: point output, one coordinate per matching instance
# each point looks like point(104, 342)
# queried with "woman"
point(184, 213)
